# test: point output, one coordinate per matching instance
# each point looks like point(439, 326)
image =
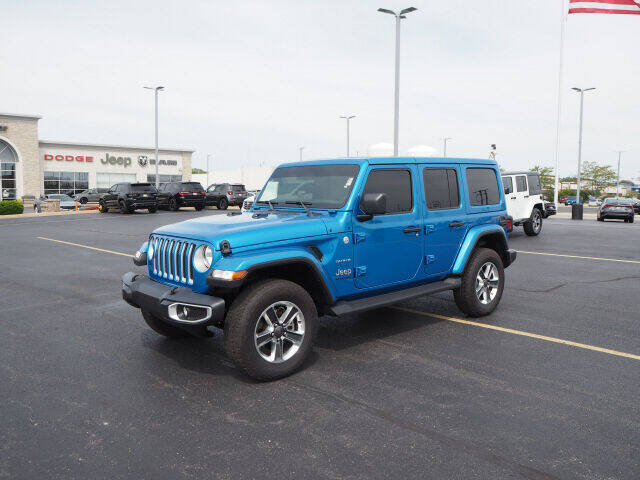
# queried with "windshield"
point(318, 186)
point(61, 196)
point(191, 186)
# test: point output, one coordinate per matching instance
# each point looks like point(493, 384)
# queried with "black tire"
point(245, 317)
point(223, 204)
point(630, 219)
point(173, 205)
point(102, 208)
point(533, 226)
point(153, 209)
point(163, 328)
point(600, 219)
point(466, 298)
point(84, 200)
point(123, 207)
point(199, 207)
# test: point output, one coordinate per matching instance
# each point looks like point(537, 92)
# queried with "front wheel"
point(270, 329)
point(533, 226)
point(84, 200)
point(482, 283)
point(102, 208)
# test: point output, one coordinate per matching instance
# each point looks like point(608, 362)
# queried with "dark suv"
point(128, 197)
point(174, 195)
point(222, 195)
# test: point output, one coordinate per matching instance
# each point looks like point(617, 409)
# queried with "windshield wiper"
point(268, 202)
point(303, 205)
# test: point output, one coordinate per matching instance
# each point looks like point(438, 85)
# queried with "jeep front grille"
point(173, 259)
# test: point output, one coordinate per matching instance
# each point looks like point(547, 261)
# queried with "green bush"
point(10, 207)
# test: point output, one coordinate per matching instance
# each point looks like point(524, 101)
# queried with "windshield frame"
point(357, 169)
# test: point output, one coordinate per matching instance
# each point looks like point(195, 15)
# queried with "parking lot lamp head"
point(157, 89)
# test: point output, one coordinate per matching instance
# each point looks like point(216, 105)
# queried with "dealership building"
point(32, 167)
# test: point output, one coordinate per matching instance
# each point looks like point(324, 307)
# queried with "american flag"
point(627, 7)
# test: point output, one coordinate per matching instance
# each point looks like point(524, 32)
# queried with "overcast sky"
point(251, 81)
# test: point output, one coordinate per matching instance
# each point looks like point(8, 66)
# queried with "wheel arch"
point(489, 236)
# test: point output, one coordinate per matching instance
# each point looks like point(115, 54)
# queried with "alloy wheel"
point(279, 332)
point(487, 282)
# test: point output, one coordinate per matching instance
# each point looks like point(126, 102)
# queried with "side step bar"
point(345, 307)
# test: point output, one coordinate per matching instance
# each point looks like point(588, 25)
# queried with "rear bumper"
point(164, 301)
point(191, 202)
point(141, 203)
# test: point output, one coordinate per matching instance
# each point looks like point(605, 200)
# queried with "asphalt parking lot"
point(550, 390)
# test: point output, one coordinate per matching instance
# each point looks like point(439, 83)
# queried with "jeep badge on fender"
point(329, 237)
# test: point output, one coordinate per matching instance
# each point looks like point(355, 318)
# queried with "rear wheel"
point(630, 219)
point(533, 226)
point(123, 207)
point(223, 204)
point(199, 207)
point(153, 209)
point(270, 329)
point(482, 283)
point(163, 328)
point(173, 205)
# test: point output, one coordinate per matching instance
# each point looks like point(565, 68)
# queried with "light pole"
point(301, 149)
point(620, 152)
point(444, 150)
point(347, 118)
point(208, 169)
point(399, 16)
point(156, 89)
point(581, 90)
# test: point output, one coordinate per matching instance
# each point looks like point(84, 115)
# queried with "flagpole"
point(563, 21)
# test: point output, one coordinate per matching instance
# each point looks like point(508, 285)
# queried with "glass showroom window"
point(107, 180)
point(65, 182)
point(8, 160)
point(151, 178)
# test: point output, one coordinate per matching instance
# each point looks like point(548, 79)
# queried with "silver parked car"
point(66, 202)
point(90, 195)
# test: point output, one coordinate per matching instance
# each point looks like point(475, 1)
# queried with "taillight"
point(183, 193)
point(229, 192)
point(508, 224)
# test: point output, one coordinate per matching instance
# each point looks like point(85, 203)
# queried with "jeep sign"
point(112, 160)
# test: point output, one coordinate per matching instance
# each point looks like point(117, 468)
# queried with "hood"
point(244, 230)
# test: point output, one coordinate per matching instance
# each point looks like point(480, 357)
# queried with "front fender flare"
point(253, 262)
point(471, 240)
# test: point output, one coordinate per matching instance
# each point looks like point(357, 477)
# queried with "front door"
point(389, 248)
point(445, 218)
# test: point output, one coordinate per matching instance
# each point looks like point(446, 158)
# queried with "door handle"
point(456, 224)
point(526, 196)
point(412, 230)
point(513, 198)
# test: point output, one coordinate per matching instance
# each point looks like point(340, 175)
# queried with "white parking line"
point(578, 256)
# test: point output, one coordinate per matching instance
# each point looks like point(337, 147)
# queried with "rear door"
point(521, 204)
point(485, 200)
point(388, 248)
point(445, 217)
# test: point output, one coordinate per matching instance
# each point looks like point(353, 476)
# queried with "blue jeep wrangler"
point(329, 237)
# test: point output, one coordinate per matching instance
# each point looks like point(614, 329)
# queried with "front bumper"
point(163, 301)
point(510, 257)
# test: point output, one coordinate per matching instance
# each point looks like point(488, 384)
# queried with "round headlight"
point(150, 251)
point(202, 258)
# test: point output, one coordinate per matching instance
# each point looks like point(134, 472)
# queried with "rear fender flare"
point(471, 240)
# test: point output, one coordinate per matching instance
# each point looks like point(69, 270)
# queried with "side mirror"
point(372, 204)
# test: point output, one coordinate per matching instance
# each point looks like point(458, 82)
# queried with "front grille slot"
point(173, 259)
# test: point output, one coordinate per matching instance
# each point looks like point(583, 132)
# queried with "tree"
point(599, 175)
point(198, 170)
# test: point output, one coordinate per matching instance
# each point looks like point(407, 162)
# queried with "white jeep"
point(523, 193)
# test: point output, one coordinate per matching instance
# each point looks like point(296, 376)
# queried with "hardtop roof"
point(393, 161)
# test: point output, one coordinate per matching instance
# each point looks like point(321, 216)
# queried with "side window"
point(534, 184)
point(483, 186)
point(508, 184)
point(521, 183)
point(441, 188)
point(396, 184)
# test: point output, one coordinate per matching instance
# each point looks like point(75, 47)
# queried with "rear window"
point(534, 184)
point(191, 186)
point(521, 183)
point(483, 186)
point(617, 201)
point(238, 188)
point(142, 187)
point(441, 188)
